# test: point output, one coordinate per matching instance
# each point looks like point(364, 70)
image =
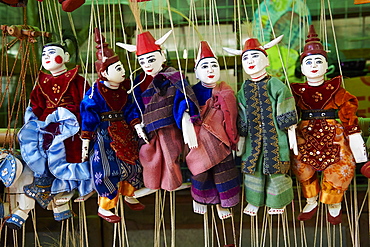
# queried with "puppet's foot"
point(251, 210)
point(276, 210)
point(183, 186)
point(309, 210)
point(133, 203)
point(85, 197)
point(108, 215)
point(62, 212)
point(63, 197)
point(199, 208)
point(223, 213)
point(335, 213)
point(17, 219)
point(143, 192)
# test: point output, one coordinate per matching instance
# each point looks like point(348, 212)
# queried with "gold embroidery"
point(56, 89)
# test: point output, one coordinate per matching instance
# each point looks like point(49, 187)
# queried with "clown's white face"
point(151, 62)
point(54, 59)
point(254, 63)
point(314, 67)
point(115, 73)
point(208, 70)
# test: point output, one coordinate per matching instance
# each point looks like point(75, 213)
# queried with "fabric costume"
point(266, 110)
point(108, 116)
point(322, 141)
point(215, 177)
point(162, 100)
point(49, 140)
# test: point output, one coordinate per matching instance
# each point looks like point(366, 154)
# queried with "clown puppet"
point(324, 144)
point(109, 116)
point(267, 118)
point(215, 179)
point(167, 109)
point(50, 138)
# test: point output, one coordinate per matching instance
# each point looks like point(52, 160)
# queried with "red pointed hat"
point(313, 45)
point(105, 55)
point(253, 44)
point(204, 52)
point(146, 43)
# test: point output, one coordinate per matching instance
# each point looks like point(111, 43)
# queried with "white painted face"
point(314, 67)
point(151, 62)
point(208, 70)
point(254, 63)
point(115, 72)
point(53, 58)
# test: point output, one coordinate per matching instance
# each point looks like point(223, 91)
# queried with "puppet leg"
point(105, 204)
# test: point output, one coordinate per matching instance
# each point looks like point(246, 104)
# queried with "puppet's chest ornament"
point(319, 150)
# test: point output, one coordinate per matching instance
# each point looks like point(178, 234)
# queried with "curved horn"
point(273, 42)
point(232, 51)
point(130, 48)
point(160, 41)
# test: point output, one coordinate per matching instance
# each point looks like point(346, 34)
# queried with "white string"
point(335, 44)
point(177, 54)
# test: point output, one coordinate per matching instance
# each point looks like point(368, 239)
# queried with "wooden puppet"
point(215, 179)
point(49, 140)
point(324, 144)
point(167, 109)
point(109, 116)
point(266, 113)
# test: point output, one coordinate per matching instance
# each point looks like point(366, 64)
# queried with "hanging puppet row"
point(119, 138)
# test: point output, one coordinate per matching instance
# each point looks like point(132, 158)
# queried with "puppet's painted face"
point(115, 72)
point(314, 66)
point(208, 70)
point(54, 58)
point(151, 62)
point(254, 62)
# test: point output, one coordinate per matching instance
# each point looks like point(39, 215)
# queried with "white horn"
point(273, 42)
point(130, 48)
point(233, 51)
point(163, 39)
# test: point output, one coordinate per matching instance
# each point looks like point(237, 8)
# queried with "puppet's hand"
point(188, 131)
point(240, 146)
point(293, 139)
point(85, 149)
point(140, 132)
point(358, 147)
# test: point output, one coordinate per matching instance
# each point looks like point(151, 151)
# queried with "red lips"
point(314, 71)
point(252, 67)
point(211, 76)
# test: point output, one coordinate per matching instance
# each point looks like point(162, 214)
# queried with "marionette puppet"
point(50, 140)
point(324, 144)
point(167, 109)
point(267, 117)
point(14, 175)
point(215, 179)
point(109, 116)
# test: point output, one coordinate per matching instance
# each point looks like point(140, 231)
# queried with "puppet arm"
point(85, 149)
point(140, 132)
point(293, 139)
point(358, 147)
point(188, 131)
